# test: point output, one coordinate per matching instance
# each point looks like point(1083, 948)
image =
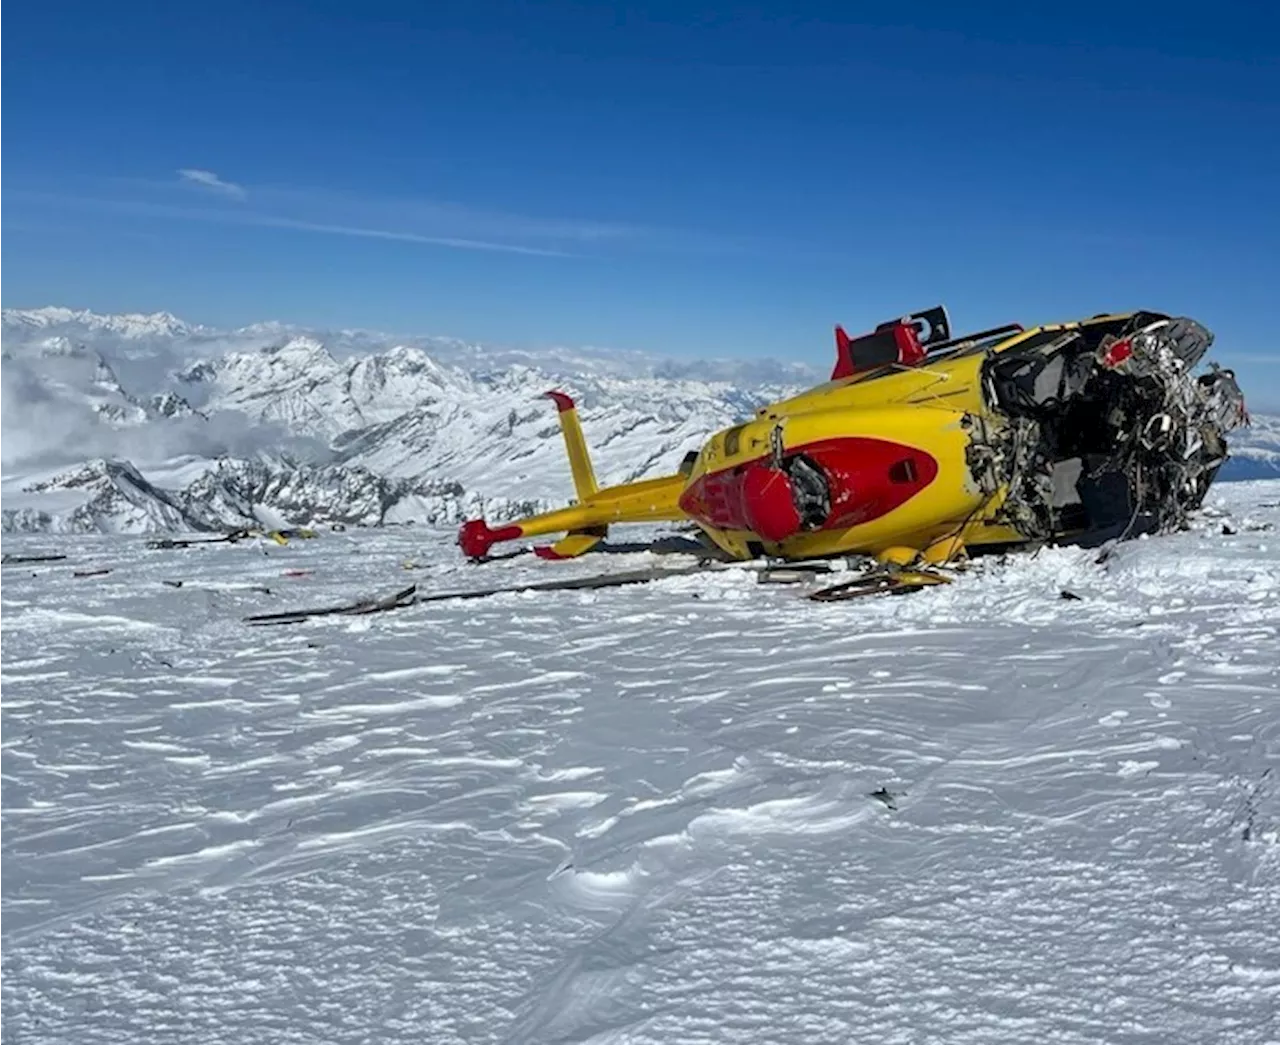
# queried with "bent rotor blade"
point(395, 601)
point(604, 580)
point(410, 597)
point(23, 560)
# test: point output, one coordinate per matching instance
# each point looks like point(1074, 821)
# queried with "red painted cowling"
point(768, 502)
point(753, 496)
point(866, 478)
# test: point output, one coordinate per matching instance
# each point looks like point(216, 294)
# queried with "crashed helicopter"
point(923, 448)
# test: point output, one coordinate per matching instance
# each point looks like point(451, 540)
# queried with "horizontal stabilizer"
point(905, 341)
point(579, 542)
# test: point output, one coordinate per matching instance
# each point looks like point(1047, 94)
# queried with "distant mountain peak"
point(130, 325)
point(300, 345)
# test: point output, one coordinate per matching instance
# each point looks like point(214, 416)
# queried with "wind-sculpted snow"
point(702, 810)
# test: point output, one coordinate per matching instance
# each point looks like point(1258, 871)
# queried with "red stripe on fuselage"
point(867, 478)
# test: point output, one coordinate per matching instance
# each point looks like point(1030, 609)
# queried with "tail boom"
point(585, 523)
point(651, 500)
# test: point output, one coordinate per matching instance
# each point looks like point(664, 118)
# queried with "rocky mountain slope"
point(138, 423)
point(279, 426)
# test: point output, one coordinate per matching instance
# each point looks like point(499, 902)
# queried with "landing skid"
point(889, 582)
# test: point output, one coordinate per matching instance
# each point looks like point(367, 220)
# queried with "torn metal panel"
point(1108, 431)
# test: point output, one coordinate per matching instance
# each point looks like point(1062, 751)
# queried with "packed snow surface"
point(700, 810)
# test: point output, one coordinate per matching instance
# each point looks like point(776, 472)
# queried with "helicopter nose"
point(831, 484)
point(768, 498)
point(755, 497)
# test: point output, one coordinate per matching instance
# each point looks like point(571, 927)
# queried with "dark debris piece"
point(889, 798)
point(22, 560)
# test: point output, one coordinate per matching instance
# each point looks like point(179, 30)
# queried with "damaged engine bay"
point(1104, 431)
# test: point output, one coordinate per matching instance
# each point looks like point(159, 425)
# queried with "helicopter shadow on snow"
point(668, 544)
point(688, 543)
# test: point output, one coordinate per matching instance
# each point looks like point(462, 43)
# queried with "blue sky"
point(681, 177)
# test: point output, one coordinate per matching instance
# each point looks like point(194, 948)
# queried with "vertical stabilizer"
point(575, 444)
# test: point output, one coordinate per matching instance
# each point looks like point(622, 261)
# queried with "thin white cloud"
point(431, 218)
point(239, 216)
point(210, 181)
point(403, 237)
point(428, 222)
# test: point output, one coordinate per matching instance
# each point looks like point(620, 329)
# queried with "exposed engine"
point(1107, 433)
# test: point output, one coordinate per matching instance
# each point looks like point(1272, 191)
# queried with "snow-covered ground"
point(644, 814)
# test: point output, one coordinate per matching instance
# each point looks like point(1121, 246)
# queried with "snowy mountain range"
point(137, 423)
point(141, 423)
